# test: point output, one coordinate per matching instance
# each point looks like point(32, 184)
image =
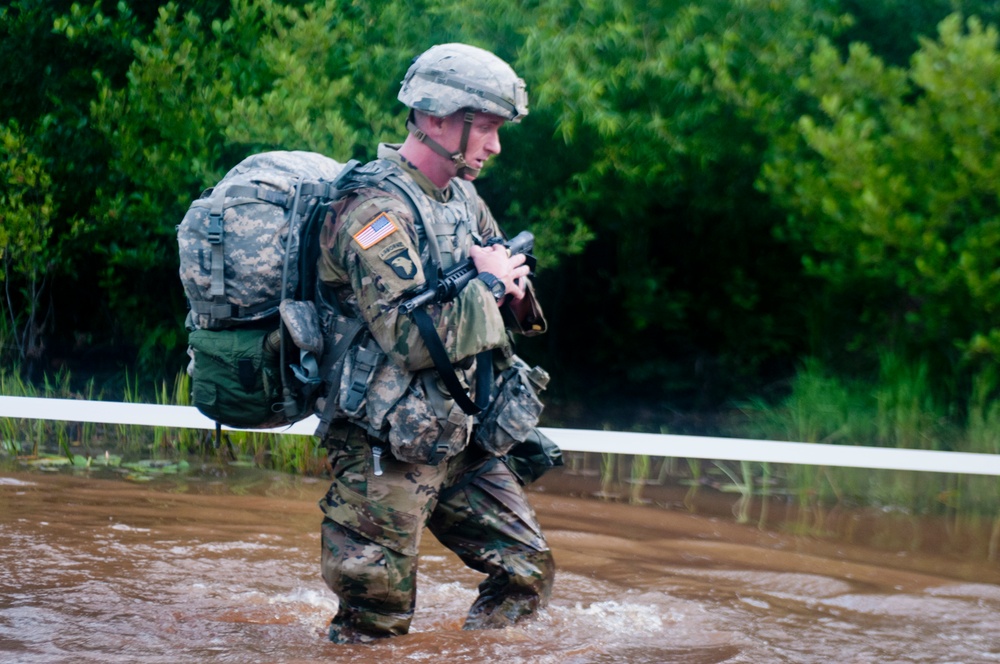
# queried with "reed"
point(765, 494)
point(819, 408)
point(11, 430)
point(742, 483)
point(87, 431)
point(188, 441)
point(907, 414)
point(982, 428)
point(19, 436)
point(694, 467)
point(299, 454)
point(133, 440)
point(608, 464)
point(638, 475)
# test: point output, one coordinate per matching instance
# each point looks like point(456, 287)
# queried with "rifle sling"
point(484, 367)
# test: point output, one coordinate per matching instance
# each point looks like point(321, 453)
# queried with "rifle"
point(454, 280)
point(447, 287)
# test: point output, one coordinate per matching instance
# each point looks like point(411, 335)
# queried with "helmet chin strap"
point(462, 167)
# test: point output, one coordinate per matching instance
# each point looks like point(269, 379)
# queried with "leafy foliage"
point(893, 190)
point(27, 209)
point(718, 188)
point(672, 107)
point(199, 97)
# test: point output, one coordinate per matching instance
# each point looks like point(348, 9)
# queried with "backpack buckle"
point(214, 230)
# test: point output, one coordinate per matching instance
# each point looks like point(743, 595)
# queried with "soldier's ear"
point(436, 127)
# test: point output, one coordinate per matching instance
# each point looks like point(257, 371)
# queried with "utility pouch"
point(514, 410)
point(340, 334)
point(359, 367)
point(302, 323)
point(417, 435)
point(534, 457)
point(235, 376)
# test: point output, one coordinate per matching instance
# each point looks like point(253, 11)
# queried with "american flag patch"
point(377, 230)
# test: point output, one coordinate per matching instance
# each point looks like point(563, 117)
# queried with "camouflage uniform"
point(371, 536)
point(471, 503)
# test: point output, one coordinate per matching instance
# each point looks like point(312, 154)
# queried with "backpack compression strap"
point(386, 179)
point(218, 308)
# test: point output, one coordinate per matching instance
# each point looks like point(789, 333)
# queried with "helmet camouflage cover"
point(451, 77)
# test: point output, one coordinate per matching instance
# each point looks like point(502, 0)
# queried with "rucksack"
point(248, 249)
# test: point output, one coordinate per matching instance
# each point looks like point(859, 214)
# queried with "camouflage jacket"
point(375, 254)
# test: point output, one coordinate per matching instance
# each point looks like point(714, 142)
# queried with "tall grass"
point(818, 409)
point(20, 436)
point(907, 414)
point(982, 429)
point(608, 464)
point(31, 438)
point(638, 476)
point(898, 407)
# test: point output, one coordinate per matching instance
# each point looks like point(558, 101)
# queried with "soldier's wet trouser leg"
point(490, 525)
point(370, 538)
point(372, 533)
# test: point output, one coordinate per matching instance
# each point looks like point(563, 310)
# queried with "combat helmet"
point(454, 77)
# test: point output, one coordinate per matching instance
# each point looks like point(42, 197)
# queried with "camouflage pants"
point(371, 535)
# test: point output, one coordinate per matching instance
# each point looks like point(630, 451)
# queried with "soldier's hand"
point(511, 270)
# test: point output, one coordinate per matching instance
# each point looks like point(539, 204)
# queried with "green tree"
point(892, 28)
point(48, 88)
point(892, 188)
point(200, 96)
point(28, 249)
point(696, 293)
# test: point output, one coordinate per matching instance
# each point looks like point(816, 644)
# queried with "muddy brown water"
point(222, 566)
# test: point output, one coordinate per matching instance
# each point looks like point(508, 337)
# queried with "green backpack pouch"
point(235, 375)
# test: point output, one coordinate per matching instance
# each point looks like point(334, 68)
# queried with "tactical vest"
point(450, 225)
point(446, 233)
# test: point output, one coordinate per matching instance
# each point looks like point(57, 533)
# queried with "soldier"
point(401, 455)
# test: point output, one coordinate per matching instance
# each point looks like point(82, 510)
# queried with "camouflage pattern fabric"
point(303, 325)
point(234, 281)
point(514, 410)
point(417, 434)
point(467, 325)
point(373, 525)
point(373, 256)
point(450, 77)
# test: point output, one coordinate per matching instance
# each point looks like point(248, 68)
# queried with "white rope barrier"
point(573, 440)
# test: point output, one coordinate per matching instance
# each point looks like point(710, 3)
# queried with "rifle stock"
point(454, 280)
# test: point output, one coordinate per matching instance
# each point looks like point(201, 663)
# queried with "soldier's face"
point(484, 138)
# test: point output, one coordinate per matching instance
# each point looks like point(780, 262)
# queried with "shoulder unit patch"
point(377, 230)
point(398, 258)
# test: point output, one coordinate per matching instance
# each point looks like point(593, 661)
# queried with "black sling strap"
point(484, 367)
